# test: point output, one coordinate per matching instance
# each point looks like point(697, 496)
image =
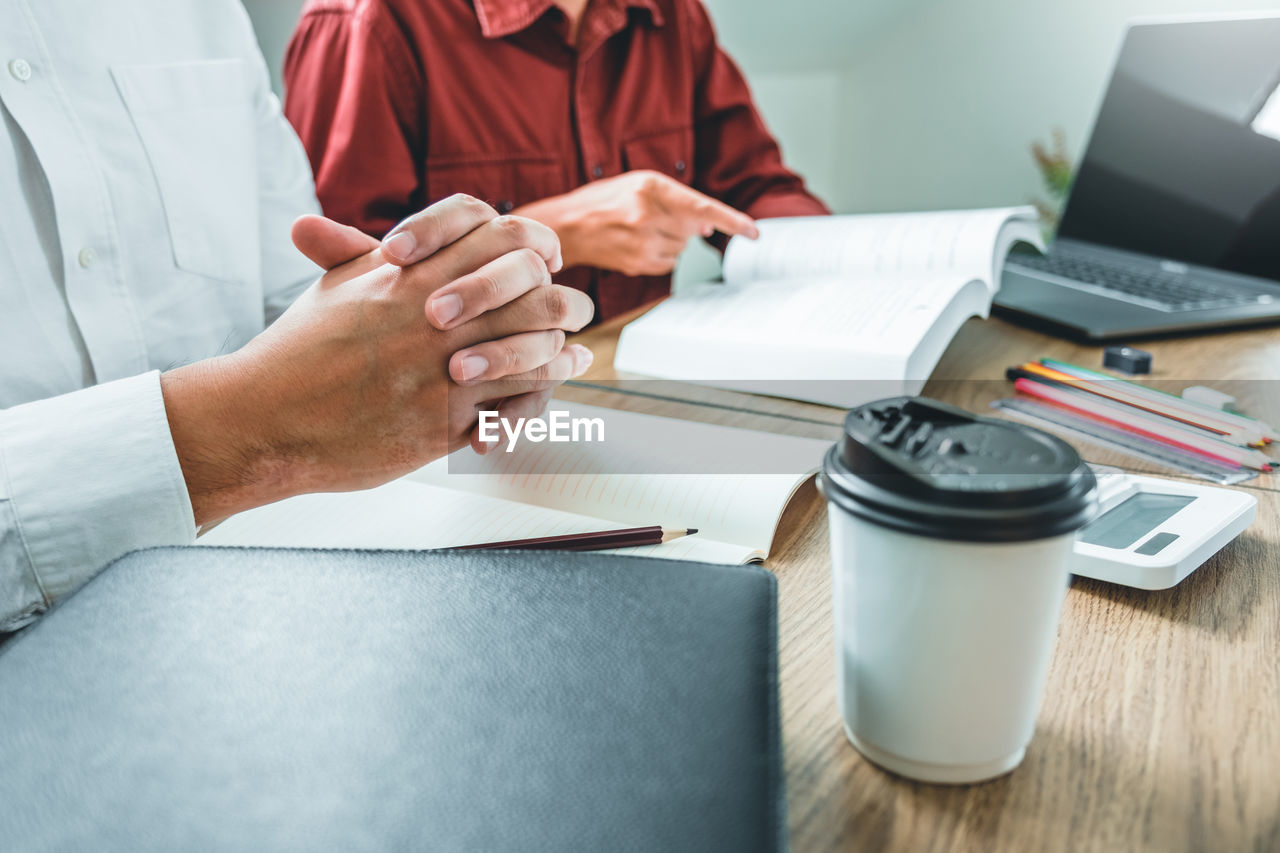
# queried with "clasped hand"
point(384, 363)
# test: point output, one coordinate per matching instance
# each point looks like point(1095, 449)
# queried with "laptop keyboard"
point(1156, 288)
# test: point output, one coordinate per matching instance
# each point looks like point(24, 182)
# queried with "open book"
point(836, 309)
point(638, 476)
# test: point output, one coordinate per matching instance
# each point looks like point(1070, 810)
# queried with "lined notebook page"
point(601, 480)
point(417, 516)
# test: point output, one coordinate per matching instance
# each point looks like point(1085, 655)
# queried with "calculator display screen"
point(1125, 524)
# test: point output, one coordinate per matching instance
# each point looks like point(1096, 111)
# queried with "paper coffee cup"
point(950, 541)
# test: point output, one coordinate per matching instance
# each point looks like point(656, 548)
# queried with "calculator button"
point(1156, 544)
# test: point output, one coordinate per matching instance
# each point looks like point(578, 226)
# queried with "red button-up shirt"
point(403, 102)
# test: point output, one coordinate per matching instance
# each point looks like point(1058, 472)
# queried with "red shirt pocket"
point(667, 151)
point(504, 181)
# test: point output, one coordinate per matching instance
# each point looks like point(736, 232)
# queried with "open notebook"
point(832, 309)
point(638, 476)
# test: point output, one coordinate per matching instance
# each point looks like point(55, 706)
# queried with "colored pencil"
point(1211, 424)
point(632, 537)
point(1106, 435)
point(1148, 426)
point(1190, 408)
point(1269, 433)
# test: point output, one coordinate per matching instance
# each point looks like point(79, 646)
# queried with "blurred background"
point(909, 104)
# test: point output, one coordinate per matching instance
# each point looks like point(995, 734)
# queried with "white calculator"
point(1151, 533)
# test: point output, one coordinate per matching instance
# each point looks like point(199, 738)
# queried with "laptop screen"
point(1184, 162)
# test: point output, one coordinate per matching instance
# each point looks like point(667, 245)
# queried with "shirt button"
point(597, 171)
point(20, 69)
point(505, 206)
point(680, 167)
point(87, 257)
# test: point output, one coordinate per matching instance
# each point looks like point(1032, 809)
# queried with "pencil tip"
point(691, 531)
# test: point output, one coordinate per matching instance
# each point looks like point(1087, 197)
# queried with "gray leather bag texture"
point(241, 699)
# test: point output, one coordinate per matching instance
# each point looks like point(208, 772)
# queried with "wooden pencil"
point(600, 540)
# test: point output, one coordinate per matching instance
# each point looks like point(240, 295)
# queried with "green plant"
point(1056, 171)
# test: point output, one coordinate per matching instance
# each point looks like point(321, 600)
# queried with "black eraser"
point(1127, 359)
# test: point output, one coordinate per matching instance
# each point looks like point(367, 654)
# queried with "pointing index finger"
point(711, 212)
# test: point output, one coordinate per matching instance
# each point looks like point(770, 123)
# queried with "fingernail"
point(754, 233)
point(399, 247)
point(446, 308)
point(582, 359)
point(472, 366)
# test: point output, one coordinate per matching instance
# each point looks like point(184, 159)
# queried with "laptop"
point(1173, 220)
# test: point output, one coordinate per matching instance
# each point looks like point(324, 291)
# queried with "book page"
point(874, 247)
point(633, 477)
point(406, 515)
point(972, 300)
point(821, 340)
point(836, 314)
point(834, 310)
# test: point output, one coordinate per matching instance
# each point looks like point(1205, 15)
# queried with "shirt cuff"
point(84, 478)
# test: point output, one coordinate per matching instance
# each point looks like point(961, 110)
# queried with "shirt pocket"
point(196, 124)
point(667, 151)
point(505, 181)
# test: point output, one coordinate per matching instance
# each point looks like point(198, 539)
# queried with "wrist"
point(224, 450)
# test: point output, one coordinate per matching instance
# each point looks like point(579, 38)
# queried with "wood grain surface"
point(1160, 727)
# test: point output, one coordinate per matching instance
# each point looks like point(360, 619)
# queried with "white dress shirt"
point(150, 181)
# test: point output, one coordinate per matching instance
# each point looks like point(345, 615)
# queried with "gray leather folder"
point(229, 699)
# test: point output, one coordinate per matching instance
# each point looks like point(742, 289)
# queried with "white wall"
point(937, 101)
point(273, 20)
point(910, 104)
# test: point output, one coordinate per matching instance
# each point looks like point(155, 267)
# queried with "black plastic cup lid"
point(924, 467)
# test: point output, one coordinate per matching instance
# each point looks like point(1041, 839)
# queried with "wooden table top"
point(1160, 727)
